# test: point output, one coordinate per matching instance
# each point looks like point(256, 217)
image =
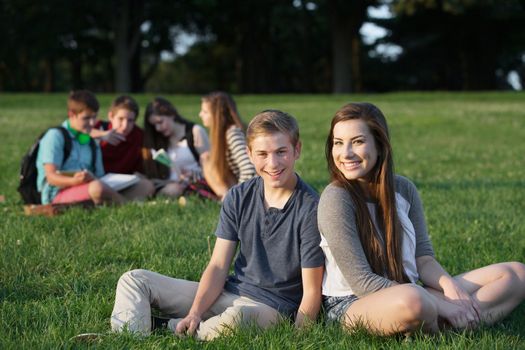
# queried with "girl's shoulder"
point(404, 186)
point(199, 132)
point(335, 193)
point(197, 128)
point(234, 130)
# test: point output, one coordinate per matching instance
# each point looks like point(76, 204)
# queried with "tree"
point(128, 19)
point(346, 19)
point(458, 45)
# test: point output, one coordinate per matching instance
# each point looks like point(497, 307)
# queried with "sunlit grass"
point(465, 152)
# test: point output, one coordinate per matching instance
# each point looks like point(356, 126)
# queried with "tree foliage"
point(456, 44)
point(258, 46)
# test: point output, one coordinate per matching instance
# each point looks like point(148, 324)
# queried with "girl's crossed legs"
point(497, 289)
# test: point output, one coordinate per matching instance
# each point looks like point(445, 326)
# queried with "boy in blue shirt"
point(278, 269)
point(73, 179)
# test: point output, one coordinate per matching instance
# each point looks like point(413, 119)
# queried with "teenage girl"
point(184, 142)
point(227, 162)
point(376, 244)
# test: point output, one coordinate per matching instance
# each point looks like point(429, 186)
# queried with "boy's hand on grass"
point(188, 325)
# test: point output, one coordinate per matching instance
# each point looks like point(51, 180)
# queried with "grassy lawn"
point(465, 152)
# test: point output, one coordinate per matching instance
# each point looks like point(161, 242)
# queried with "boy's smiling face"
point(274, 156)
point(83, 121)
point(122, 120)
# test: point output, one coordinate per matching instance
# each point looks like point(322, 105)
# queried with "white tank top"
point(182, 160)
point(334, 283)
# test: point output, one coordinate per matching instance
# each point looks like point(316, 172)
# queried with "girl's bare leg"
point(497, 288)
point(399, 309)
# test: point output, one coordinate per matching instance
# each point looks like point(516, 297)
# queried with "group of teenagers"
point(360, 251)
point(123, 147)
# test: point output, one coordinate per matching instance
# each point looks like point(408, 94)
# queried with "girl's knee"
point(172, 190)
point(515, 273)
point(415, 304)
point(518, 269)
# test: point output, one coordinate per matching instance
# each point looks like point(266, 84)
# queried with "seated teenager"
point(377, 247)
point(184, 142)
point(227, 163)
point(121, 144)
point(279, 266)
point(74, 179)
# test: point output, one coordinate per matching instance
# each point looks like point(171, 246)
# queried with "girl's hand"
point(454, 315)
point(192, 175)
point(468, 305)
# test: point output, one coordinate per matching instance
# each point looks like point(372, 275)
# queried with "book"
point(161, 156)
point(119, 181)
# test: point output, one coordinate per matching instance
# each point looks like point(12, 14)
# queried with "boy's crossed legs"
point(140, 290)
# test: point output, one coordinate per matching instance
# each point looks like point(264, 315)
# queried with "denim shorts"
point(335, 307)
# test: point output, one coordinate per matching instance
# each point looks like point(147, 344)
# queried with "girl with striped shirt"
point(227, 163)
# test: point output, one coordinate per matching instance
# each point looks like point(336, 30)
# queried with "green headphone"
point(82, 138)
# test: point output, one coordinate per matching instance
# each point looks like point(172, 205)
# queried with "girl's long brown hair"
point(383, 257)
point(223, 115)
point(152, 139)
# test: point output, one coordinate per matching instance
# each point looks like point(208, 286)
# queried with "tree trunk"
point(128, 20)
point(346, 20)
point(76, 73)
point(49, 75)
point(356, 62)
point(341, 56)
point(122, 54)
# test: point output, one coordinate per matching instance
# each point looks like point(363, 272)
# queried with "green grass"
point(465, 152)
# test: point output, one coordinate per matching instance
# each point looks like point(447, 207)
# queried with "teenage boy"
point(73, 179)
point(279, 267)
point(121, 144)
point(120, 138)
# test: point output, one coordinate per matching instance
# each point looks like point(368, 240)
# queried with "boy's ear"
point(298, 147)
point(249, 152)
point(110, 115)
point(70, 114)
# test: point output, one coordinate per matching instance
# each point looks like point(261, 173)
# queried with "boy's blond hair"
point(272, 121)
point(79, 100)
point(125, 102)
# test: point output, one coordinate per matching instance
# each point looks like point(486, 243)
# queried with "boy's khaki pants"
point(140, 290)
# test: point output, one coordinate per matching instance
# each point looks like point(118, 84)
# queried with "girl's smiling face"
point(354, 149)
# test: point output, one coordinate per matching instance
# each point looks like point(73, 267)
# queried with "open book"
point(119, 181)
point(161, 156)
point(115, 181)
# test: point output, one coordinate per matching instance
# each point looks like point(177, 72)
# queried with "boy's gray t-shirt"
point(274, 243)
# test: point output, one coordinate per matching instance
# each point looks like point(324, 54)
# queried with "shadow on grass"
point(465, 184)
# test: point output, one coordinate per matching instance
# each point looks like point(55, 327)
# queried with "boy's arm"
point(54, 178)
point(110, 136)
point(311, 302)
point(210, 286)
